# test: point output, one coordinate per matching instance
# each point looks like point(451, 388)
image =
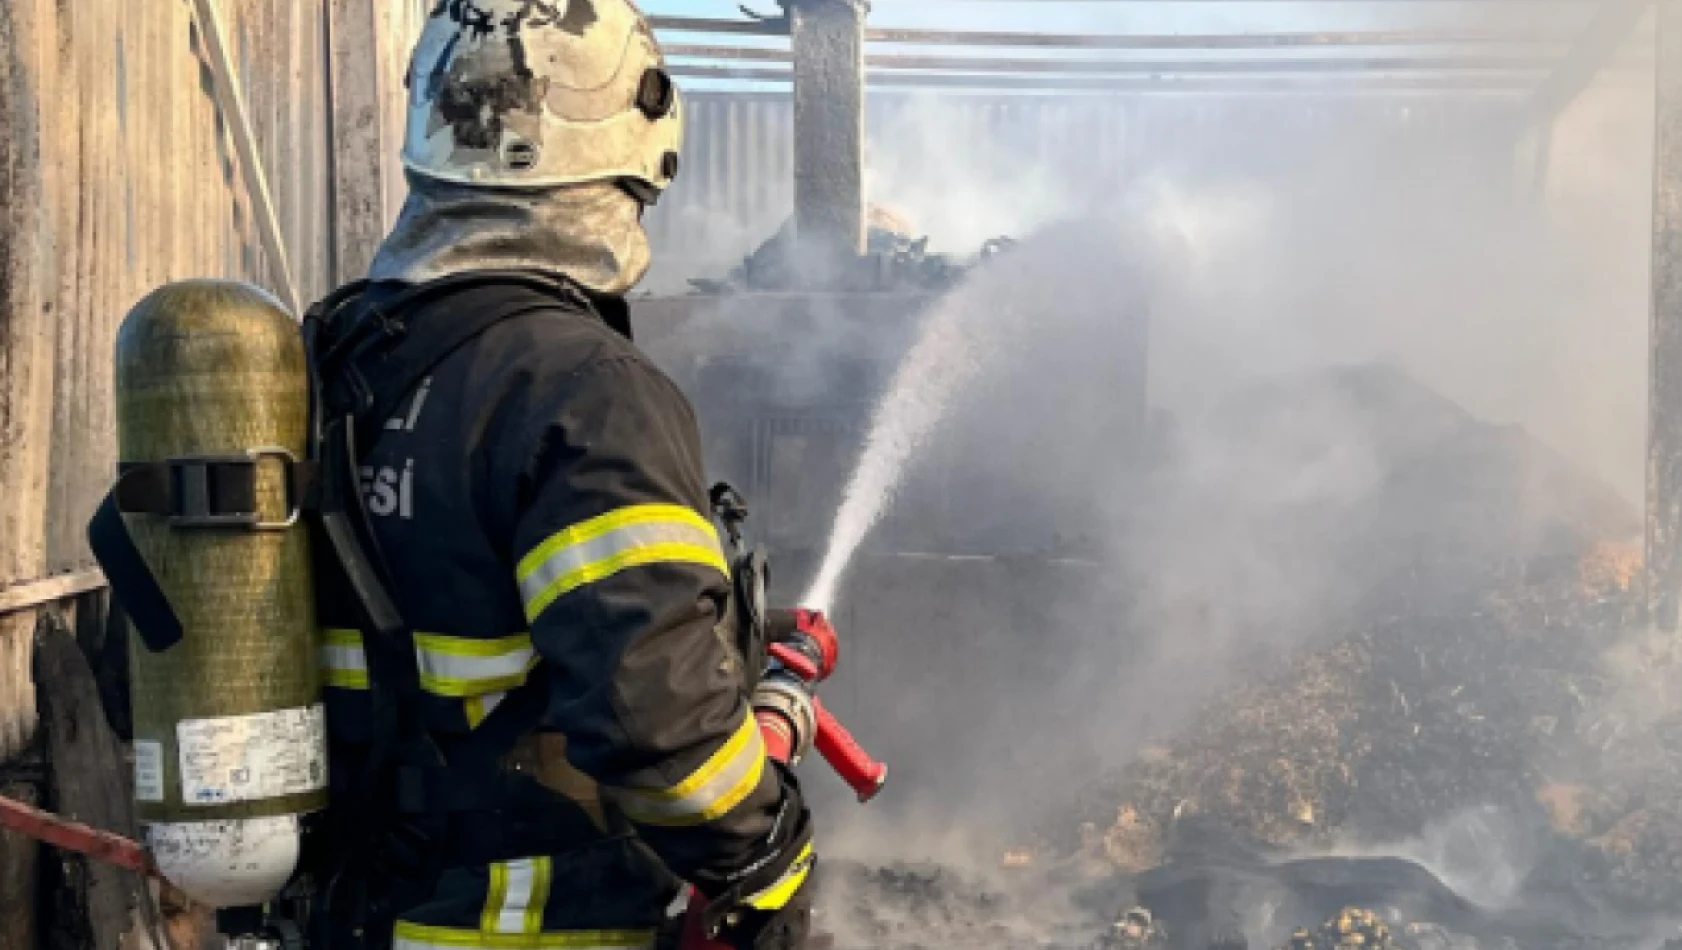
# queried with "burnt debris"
point(894, 260)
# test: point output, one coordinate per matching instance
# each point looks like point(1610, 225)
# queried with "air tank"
point(229, 732)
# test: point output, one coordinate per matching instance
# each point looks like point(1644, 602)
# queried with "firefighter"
point(567, 745)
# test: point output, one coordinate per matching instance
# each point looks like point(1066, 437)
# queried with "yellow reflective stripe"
point(541, 874)
point(478, 707)
point(721, 783)
point(456, 667)
point(464, 666)
point(777, 896)
point(516, 895)
point(342, 661)
point(495, 894)
point(472, 647)
point(607, 544)
point(603, 524)
point(408, 936)
point(346, 679)
point(341, 637)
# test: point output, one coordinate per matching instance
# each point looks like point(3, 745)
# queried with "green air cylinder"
point(229, 737)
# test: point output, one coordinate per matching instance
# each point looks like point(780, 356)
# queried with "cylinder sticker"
point(148, 771)
point(244, 758)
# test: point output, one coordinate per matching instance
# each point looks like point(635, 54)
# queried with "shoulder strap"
point(390, 365)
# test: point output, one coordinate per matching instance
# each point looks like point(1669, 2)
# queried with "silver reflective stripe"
point(343, 662)
point(514, 902)
point(582, 562)
point(334, 657)
point(459, 666)
point(720, 784)
point(449, 666)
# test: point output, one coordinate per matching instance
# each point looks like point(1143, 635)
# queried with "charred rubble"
point(1478, 748)
point(900, 260)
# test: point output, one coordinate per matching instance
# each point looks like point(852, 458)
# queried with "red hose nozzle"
point(863, 774)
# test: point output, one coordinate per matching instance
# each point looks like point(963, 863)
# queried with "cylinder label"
point(245, 758)
point(148, 771)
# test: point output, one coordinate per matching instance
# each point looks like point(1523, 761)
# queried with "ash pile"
point(1479, 741)
point(1474, 742)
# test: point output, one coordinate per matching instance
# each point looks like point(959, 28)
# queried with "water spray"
point(942, 359)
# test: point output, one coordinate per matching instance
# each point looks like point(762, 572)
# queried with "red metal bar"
point(74, 836)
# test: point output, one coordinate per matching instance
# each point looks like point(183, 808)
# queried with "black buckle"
point(219, 491)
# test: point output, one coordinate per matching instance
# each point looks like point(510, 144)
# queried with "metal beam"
point(1664, 399)
point(1593, 49)
point(238, 119)
point(1206, 41)
point(74, 836)
point(973, 64)
point(1172, 3)
point(700, 24)
point(1236, 86)
point(49, 590)
point(1114, 41)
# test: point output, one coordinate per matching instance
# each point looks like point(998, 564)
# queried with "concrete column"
point(827, 38)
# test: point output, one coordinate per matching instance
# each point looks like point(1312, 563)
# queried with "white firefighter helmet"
point(540, 93)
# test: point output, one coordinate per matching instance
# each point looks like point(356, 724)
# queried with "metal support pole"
point(238, 119)
point(1664, 407)
point(827, 39)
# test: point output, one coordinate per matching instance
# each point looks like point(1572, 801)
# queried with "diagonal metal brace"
point(48, 828)
point(232, 101)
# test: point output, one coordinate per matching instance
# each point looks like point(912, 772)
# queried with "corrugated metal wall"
point(735, 180)
point(139, 184)
point(401, 20)
point(735, 184)
point(145, 188)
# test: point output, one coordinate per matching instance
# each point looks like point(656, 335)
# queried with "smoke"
point(938, 364)
point(1406, 244)
point(1382, 368)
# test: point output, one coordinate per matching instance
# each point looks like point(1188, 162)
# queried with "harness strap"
point(193, 492)
point(207, 491)
point(392, 373)
point(133, 585)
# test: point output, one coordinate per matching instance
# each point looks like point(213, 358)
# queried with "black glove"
point(786, 929)
point(751, 912)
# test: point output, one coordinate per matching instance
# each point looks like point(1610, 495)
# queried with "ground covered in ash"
point(1484, 749)
point(1501, 777)
point(1542, 704)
